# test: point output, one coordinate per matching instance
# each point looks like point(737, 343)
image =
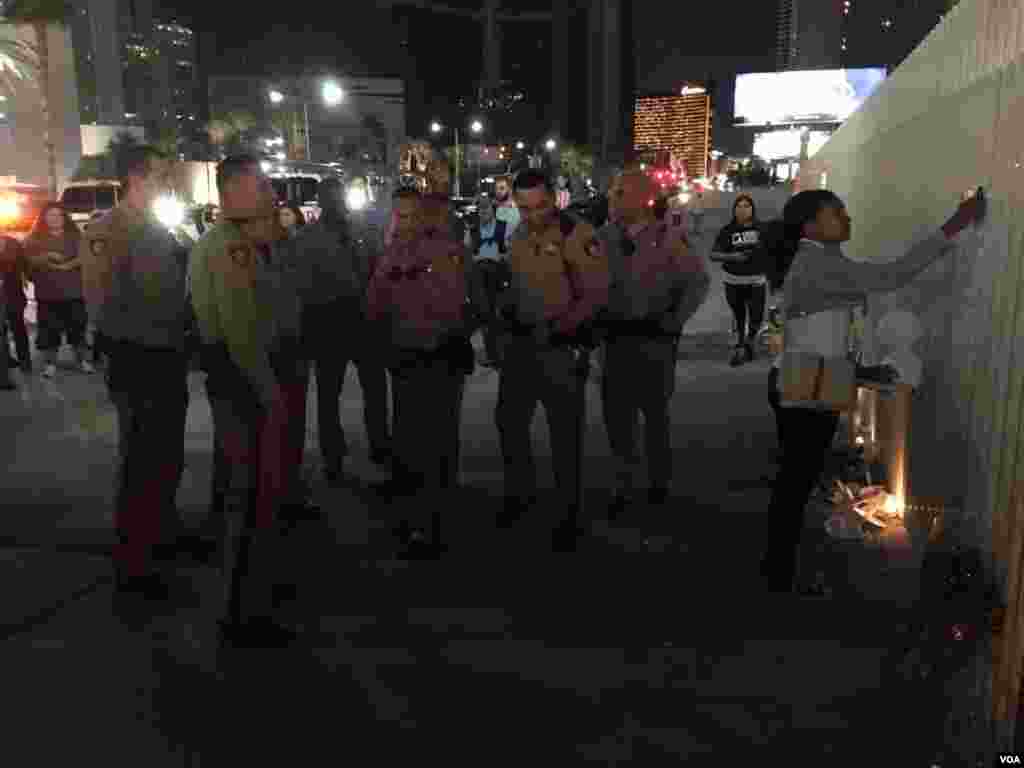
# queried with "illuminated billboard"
point(803, 96)
point(783, 145)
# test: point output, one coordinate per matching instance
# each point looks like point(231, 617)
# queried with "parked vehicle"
point(86, 200)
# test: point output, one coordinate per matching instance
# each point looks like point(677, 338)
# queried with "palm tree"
point(39, 14)
point(17, 62)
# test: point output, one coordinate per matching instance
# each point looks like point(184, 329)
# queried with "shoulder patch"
point(241, 255)
point(97, 245)
point(593, 248)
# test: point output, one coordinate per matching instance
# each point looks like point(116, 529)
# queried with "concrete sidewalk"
point(650, 646)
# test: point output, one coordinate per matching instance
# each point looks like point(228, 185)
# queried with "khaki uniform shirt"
point(557, 277)
point(246, 299)
point(134, 279)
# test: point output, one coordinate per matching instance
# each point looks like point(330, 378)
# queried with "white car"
point(87, 200)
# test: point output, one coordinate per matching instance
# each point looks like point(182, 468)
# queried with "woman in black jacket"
point(738, 248)
point(14, 273)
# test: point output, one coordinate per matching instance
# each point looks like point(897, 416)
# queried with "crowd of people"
point(263, 299)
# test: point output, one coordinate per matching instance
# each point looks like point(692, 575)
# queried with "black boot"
point(512, 510)
point(566, 537)
point(778, 570)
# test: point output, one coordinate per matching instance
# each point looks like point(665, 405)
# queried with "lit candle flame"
point(894, 505)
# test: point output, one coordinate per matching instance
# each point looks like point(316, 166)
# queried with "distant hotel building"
point(679, 124)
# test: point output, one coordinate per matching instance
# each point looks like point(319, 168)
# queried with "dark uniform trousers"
point(258, 452)
point(492, 278)
point(427, 391)
point(16, 325)
point(149, 390)
point(535, 372)
point(335, 335)
point(640, 377)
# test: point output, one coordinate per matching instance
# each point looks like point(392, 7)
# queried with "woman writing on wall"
point(737, 248)
point(818, 292)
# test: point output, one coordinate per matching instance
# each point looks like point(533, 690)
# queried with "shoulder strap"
point(566, 222)
point(476, 236)
point(499, 234)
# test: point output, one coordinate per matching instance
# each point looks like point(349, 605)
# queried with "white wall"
point(948, 119)
point(22, 152)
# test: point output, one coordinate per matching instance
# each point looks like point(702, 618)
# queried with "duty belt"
point(647, 327)
point(581, 339)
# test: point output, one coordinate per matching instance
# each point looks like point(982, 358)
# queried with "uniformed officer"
point(657, 284)
point(247, 310)
point(418, 292)
point(134, 283)
point(335, 332)
point(558, 284)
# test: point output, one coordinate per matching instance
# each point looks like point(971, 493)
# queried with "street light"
point(332, 95)
point(520, 146)
point(550, 145)
point(476, 127)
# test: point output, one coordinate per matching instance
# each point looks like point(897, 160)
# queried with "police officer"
point(418, 293)
point(657, 284)
point(134, 282)
point(335, 331)
point(558, 284)
point(247, 310)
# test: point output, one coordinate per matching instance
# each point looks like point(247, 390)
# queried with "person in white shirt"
point(506, 210)
point(487, 239)
point(820, 287)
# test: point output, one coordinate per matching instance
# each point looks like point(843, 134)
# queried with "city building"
point(572, 62)
point(96, 35)
point(809, 35)
point(884, 32)
point(370, 116)
point(178, 71)
point(678, 124)
point(134, 69)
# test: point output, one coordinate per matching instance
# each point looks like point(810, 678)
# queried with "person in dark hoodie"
point(337, 269)
point(13, 270)
point(738, 248)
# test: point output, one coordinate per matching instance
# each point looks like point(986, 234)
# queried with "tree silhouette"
point(39, 14)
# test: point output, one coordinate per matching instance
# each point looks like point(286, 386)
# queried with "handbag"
point(807, 380)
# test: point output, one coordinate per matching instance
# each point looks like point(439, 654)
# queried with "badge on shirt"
point(97, 245)
point(552, 251)
point(241, 255)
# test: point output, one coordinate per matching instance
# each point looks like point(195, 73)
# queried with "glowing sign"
point(803, 96)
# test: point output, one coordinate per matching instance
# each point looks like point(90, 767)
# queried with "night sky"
point(675, 42)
